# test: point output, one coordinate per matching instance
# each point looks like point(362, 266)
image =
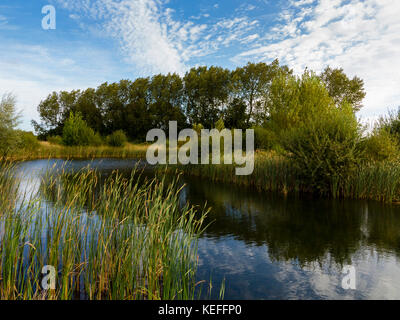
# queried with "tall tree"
point(9, 120)
point(166, 100)
point(252, 82)
point(341, 88)
point(138, 117)
point(206, 92)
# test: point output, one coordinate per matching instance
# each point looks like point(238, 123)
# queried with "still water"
point(270, 247)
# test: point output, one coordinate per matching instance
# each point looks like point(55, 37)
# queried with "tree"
point(112, 100)
point(252, 82)
point(9, 120)
point(77, 133)
point(166, 101)
point(86, 105)
point(295, 100)
point(325, 150)
point(117, 139)
point(235, 115)
point(138, 119)
point(206, 92)
point(342, 89)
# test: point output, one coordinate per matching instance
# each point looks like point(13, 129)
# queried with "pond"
point(263, 246)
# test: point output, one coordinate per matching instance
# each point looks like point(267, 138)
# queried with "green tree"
point(235, 115)
point(342, 89)
point(325, 149)
point(166, 101)
point(206, 94)
point(9, 120)
point(251, 84)
point(117, 139)
point(138, 118)
point(76, 132)
point(295, 100)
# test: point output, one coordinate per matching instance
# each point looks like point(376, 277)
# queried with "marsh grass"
point(273, 173)
point(117, 239)
point(47, 150)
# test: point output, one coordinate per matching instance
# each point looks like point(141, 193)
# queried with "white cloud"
point(31, 72)
point(153, 40)
point(363, 37)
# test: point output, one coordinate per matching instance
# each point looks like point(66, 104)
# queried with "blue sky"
point(109, 40)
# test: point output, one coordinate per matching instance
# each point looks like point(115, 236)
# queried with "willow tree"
point(9, 120)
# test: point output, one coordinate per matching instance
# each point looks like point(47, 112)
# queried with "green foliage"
point(166, 100)
point(219, 125)
point(117, 139)
point(293, 101)
point(244, 97)
point(263, 138)
point(55, 140)
point(381, 146)
point(9, 120)
point(391, 124)
point(206, 90)
point(252, 82)
point(198, 127)
point(234, 115)
point(325, 150)
point(77, 133)
point(27, 141)
point(342, 89)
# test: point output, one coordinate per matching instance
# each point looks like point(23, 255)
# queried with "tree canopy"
point(242, 98)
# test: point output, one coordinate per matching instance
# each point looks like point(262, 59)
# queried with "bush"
point(326, 149)
point(381, 146)
point(55, 140)
point(9, 120)
point(117, 139)
point(96, 140)
point(263, 138)
point(77, 133)
point(28, 141)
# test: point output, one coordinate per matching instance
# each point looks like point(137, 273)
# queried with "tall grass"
point(272, 173)
point(47, 150)
point(129, 241)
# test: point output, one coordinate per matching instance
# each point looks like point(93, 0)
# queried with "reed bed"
point(117, 239)
point(378, 181)
point(47, 151)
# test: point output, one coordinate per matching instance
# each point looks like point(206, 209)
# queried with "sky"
point(110, 40)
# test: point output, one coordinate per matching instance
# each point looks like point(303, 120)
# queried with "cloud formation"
point(363, 37)
point(154, 40)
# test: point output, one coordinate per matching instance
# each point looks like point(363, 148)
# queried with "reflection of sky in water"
point(267, 247)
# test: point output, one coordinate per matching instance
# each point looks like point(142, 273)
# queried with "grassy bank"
point(131, 241)
point(373, 180)
point(272, 173)
point(46, 150)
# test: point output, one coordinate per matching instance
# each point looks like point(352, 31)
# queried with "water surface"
point(272, 247)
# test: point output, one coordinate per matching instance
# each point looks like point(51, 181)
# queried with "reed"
point(130, 241)
point(273, 173)
point(47, 150)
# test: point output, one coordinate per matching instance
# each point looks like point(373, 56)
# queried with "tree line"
point(241, 98)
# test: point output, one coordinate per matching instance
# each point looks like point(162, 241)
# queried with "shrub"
point(9, 119)
point(117, 139)
point(381, 146)
point(55, 140)
point(326, 149)
point(77, 133)
point(96, 140)
point(28, 141)
point(263, 138)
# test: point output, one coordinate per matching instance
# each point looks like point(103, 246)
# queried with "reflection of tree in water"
point(305, 231)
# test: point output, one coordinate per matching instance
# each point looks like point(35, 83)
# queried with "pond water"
point(270, 247)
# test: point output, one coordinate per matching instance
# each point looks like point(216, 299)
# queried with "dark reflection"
point(302, 230)
point(270, 247)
